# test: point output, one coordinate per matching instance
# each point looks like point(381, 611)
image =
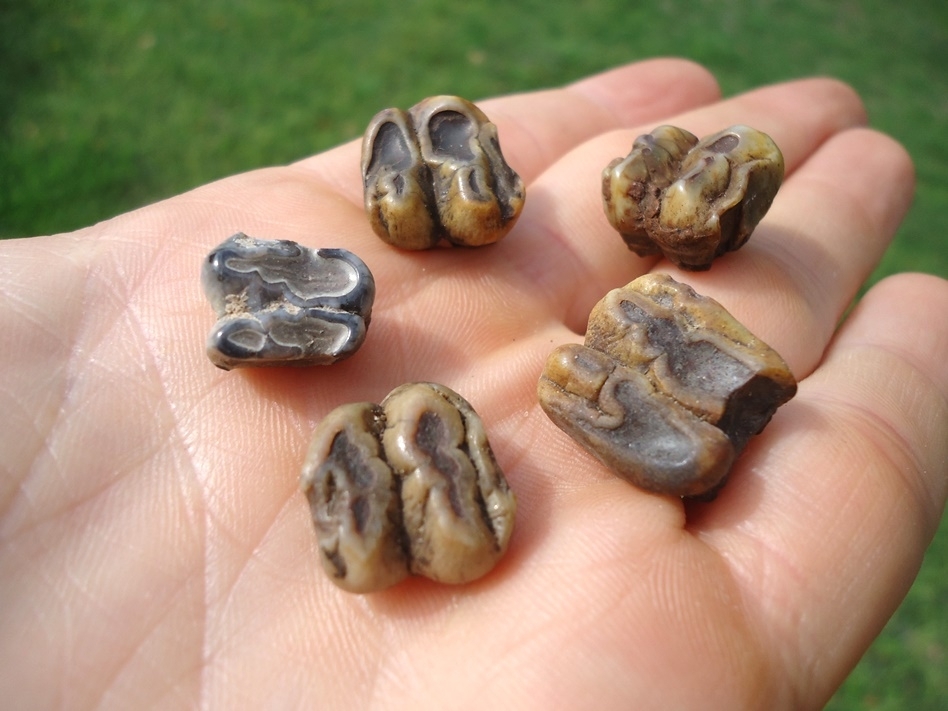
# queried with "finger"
point(564, 229)
point(542, 126)
point(536, 128)
point(825, 234)
point(318, 200)
point(827, 522)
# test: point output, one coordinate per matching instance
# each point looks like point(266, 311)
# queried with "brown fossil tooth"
point(437, 172)
point(668, 387)
point(408, 486)
point(691, 200)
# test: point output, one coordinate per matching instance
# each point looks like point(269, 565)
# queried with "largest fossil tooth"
point(667, 389)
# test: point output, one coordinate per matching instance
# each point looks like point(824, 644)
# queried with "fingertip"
point(832, 97)
point(906, 314)
point(656, 87)
point(912, 284)
point(909, 300)
point(839, 92)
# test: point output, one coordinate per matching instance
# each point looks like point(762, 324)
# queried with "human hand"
point(156, 549)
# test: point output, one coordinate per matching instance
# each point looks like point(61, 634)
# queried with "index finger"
point(537, 128)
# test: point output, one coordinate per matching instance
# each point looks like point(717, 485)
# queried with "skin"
point(155, 548)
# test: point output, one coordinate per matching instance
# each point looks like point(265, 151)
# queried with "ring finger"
point(581, 256)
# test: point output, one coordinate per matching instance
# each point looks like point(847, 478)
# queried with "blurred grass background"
point(106, 105)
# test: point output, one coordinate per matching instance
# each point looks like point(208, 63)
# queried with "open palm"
point(155, 549)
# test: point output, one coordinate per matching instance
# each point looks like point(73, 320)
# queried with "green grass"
point(106, 105)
